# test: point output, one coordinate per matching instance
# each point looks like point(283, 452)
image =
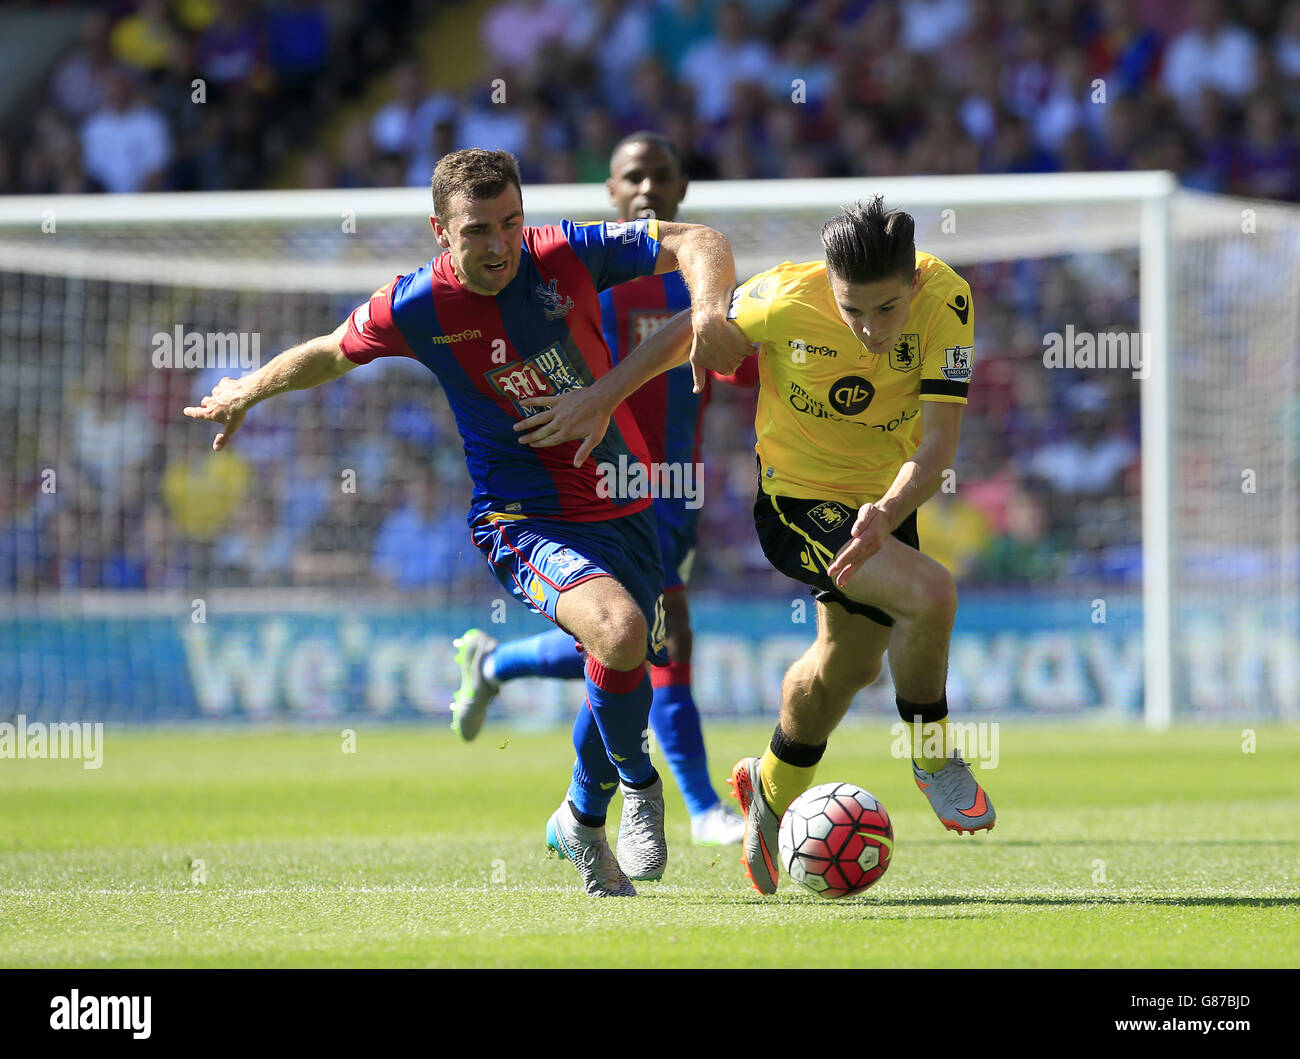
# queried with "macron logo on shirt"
point(459, 336)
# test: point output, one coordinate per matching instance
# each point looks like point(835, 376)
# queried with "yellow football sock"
point(783, 783)
point(931, 744)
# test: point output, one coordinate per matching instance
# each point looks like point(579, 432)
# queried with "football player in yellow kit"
point(865, 361)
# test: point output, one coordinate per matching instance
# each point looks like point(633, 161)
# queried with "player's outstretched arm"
point(917, 480)
point(300, 368)
point(704, 258)
point(585, 413)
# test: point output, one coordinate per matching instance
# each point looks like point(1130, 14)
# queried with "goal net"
point(1122, 518)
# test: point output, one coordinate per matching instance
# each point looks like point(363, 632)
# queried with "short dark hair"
point(866, 244)
point(647, 136)
point(474, 172)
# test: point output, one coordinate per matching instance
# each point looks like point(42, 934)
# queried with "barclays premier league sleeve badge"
point(957, 363)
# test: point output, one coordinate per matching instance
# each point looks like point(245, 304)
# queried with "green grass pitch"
point(1114, 848)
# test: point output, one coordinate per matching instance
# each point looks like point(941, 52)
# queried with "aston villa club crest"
point(906, 354)
point(554, 304)
point(830, 515)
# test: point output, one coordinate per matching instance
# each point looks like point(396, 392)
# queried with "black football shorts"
point(801, 537)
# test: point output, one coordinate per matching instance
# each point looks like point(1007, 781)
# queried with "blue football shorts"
point(538, 559)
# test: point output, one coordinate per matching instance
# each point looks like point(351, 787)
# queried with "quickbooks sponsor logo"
point(459, 336)
point(850, 395)
point(802, 401)
point(896, 422)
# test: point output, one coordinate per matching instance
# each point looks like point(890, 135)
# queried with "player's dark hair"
point(655, 139)
point(868, 243)
point(474, 172)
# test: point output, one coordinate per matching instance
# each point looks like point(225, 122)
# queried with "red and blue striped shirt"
point(667, 411)
point(540, 335)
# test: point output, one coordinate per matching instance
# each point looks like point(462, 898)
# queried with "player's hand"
point(580, 413)
point(717, 344)
point(869, 532)
point(226, 405)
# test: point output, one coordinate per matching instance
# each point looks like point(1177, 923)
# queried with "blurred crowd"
point(745, 88)
point(1047, 480)
point(334, 487)
point(362, 485)
point(197, 95)
point(753, 89)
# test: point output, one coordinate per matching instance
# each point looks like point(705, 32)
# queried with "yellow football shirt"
point(835, 421)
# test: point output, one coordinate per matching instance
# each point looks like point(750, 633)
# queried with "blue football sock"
point(548, 654)
point(595, 779)
point(620, 704)
point(676, 723)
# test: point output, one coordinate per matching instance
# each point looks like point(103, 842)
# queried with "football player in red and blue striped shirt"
point(646, 181)
point(508, 318)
